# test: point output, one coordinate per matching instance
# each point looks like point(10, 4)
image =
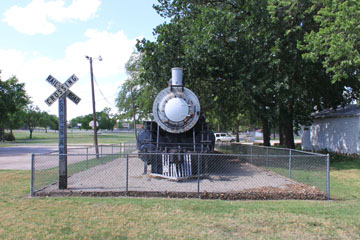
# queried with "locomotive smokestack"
point(176, 76)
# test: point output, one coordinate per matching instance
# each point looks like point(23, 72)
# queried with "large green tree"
point(32, 118)
point(303, 85)
point(49, 121)
point(135, 95)
point(15, 120)
point(75, 121)
point(225, 58)
point(243, 57)
point(184, 43)
point(336, 43)
point(13, 98)
point(106, 119)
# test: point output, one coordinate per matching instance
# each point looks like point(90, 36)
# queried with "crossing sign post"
point(62, 92)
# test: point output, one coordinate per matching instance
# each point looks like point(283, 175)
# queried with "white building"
point(334, 130)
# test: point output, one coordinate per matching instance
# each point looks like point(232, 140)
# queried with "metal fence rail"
point(238, 172)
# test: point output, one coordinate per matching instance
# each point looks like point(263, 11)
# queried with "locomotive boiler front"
point(176, 109)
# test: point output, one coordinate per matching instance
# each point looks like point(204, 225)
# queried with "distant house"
point(334, 130)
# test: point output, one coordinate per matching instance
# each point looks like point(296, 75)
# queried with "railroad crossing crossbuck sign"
point(61, 89)
point(62, 92)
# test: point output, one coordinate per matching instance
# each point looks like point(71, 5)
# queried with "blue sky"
point(42, 37)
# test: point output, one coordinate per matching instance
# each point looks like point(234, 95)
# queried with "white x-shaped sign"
point(61, 89)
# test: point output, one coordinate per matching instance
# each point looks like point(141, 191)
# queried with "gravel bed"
point(233, 180)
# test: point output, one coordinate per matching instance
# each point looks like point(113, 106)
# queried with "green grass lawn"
point(74, 137)
point(22, 217)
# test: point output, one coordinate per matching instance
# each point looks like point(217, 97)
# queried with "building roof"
point(350, 110)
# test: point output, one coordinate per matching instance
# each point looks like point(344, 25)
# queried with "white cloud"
point(33, 68)
point(39, 15)
point(114, 48)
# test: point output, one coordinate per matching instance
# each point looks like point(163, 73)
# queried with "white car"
point(223, 137)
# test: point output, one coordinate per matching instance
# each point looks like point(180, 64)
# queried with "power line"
point(102, 93)
point(101, 99)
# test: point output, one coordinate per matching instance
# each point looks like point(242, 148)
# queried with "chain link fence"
point(305, 167)
point(234, 172)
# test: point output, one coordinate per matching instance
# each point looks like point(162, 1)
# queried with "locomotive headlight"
point(176, 109)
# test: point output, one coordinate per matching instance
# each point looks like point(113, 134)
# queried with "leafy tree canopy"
point(13, 99)
point(32, 118)
point(336, 42)
point(240, 57)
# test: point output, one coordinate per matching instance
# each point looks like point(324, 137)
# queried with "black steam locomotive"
point(179, 129)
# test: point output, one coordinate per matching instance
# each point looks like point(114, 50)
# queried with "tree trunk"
point(31, 131)
point(286, 132)
point(289, 134)
point(281, 134)
point(12, 134)
point(266, 131)
point(237, 131)
point(218, 127)
point(281, 126)
point(2, 133)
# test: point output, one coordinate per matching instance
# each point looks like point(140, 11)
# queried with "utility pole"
point(93, 105)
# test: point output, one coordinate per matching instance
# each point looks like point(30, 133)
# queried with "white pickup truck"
point(223, 137)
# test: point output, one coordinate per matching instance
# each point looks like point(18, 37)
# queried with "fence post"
point(127, 175)
point(328, 177)
point(32, 176)
point(198, 177)
point(87, 158)
point(112, 148)
point(101, 154)
point(290, 163)
point(251, 154)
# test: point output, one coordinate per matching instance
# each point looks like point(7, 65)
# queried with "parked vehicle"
point(224, 137)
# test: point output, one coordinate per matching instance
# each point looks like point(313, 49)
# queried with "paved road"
point(19, 157)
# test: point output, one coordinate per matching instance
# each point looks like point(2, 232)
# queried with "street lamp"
point(93, 104)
